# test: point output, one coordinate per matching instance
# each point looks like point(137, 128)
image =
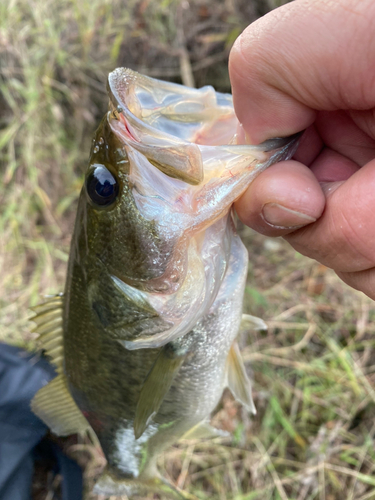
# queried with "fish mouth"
point(178, 128)
point(206, 105)
point(189, 135)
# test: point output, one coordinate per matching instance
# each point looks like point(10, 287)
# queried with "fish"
point(143, 337)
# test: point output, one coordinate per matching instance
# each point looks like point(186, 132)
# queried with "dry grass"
point(313, 371)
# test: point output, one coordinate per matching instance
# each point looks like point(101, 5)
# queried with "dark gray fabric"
point(21, 375)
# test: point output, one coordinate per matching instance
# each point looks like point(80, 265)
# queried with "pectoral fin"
point(157, 384)
point(238, 381)
point(55, 406)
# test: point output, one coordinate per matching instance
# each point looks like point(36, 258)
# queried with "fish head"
point(154, 215)
point(184, 170)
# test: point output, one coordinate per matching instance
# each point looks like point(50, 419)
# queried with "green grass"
point(313, 370)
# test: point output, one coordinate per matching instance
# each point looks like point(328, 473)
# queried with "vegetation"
point(313, 370)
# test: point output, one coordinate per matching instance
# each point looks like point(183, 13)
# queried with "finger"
point(340, 133)
point(361, 280)
point(310, 146)
point(330, 166)
point(281, 71)
point(344, 236)
point(365, 120)
point(284, 197)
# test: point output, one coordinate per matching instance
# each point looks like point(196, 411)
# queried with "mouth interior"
point(199, 116)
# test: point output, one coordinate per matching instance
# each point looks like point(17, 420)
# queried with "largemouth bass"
point(144, 336)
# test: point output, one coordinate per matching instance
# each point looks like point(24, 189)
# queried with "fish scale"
point(144, 337)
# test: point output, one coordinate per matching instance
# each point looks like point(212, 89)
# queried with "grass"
point(313, 370)
point(313, 377)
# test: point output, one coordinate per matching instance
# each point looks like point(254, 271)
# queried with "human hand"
point(310, 65)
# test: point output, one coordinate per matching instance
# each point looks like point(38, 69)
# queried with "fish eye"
point(101, 186)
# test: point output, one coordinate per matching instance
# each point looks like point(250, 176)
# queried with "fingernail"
point(282, 217)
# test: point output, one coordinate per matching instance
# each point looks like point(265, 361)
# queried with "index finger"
point(303, 57)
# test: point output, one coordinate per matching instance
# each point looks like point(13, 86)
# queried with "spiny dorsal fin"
point(55, 406)
point(48, 320)
point(49, 303)
point(157, 384)
point(53, 402)
point(238, 381)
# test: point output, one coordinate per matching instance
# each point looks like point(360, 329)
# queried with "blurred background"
point(313, 371)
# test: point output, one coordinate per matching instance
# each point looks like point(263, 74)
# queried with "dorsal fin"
point(53, 403)
point(50, 302)
point(48, 319)
point(55, 406)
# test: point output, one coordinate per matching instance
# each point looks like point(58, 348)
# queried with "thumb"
point(343, 238)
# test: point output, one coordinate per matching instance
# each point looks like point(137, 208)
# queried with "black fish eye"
point(101, 186)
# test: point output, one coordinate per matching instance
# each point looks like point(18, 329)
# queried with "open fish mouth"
point(185, 171)
point(182, 130)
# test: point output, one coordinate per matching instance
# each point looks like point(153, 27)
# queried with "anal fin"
point(157, 384)
point(204, 430)
point(54, 405)
point(238, 381)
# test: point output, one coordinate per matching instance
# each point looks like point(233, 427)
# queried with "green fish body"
point(144, 336)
